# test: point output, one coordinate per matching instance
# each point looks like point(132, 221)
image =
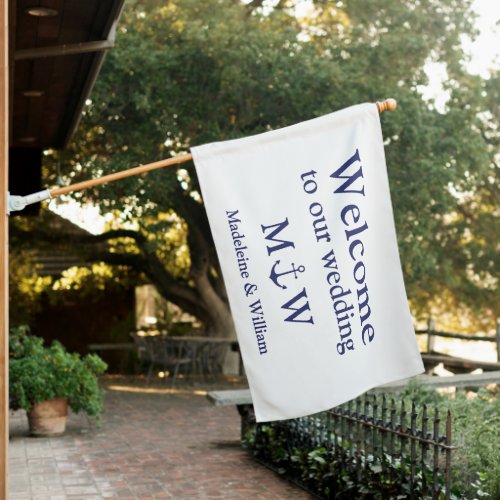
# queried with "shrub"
point(38, 373)
point(475, 464)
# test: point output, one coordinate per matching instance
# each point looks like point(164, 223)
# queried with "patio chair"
point(213, 359)
point(144, 353)
point(174, 356)
point(157, 351)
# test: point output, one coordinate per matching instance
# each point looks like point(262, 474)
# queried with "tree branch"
point(118, 233)
point(135, 261)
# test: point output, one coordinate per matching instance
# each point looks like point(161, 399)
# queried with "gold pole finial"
point(387, 105)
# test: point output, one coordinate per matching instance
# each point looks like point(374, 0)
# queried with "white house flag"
point(303, 226)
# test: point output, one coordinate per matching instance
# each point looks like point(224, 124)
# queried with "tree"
point(186, 72)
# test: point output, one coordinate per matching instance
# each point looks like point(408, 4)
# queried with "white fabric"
point(311, 200)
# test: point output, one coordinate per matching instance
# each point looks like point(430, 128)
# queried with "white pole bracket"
point(16, 203)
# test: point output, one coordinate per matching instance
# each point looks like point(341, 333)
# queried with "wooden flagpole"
point(121, 175)
point(387, 105)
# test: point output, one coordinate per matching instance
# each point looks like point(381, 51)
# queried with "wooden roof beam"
point(64, 50)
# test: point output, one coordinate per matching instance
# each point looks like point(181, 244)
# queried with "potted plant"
point(45, 380)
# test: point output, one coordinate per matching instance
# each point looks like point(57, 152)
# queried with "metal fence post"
point(448, 456)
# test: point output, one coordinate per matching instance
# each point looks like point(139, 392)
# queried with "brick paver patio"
point(150, 445)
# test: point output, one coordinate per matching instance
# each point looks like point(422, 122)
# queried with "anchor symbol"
point(274, 276)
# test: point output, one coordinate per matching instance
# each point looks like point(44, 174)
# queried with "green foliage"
point(333, 472)
point(189, 72)
point(475, 464)
point(476, 434)
point(38, 373)
point(421, 394)
point(25, 286)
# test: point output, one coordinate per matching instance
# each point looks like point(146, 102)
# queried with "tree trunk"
point(221, 322)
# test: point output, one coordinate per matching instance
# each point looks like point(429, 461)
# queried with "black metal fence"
point(369, 447)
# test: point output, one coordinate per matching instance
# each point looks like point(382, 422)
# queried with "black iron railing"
point(369, 446)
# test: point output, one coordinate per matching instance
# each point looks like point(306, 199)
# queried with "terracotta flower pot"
point(48, 417)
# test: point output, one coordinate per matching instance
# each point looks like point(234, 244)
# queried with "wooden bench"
point(242, 398)
point(230, 397)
